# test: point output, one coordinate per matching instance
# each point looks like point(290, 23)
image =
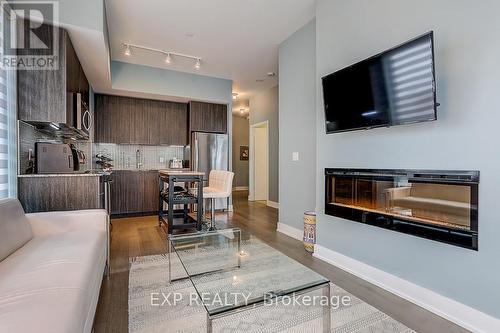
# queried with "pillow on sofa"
point(15, 229)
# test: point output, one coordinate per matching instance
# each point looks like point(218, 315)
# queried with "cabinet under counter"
point(64, 192)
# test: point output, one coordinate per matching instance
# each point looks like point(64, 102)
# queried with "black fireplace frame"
point(463, 238)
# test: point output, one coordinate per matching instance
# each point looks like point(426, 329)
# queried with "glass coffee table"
point(231, 274)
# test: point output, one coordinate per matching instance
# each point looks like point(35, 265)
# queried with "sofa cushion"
point(15, 229)
point(50, 284)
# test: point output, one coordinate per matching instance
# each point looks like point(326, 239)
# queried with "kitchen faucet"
point(138, 162)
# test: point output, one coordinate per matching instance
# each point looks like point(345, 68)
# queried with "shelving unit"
point(172, 198)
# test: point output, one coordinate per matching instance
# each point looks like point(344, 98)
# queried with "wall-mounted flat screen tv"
point(395, 87)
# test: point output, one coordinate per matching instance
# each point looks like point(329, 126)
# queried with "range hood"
point(78, 120)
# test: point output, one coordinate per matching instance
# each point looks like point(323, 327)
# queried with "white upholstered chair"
point(220, 185)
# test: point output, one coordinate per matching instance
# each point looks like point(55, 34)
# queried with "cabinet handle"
point(87, 124)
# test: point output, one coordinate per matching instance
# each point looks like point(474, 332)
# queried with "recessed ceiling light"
point(271, 74)
point(235, 95)
point(242, 111)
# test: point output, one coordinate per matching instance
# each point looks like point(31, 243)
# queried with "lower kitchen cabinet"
point(151, 191)
point(134, 192)
point(53, 193)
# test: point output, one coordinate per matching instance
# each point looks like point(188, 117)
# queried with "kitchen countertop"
point(175, 172)
point(76, 174)
point(183, 169)
point(98, 174)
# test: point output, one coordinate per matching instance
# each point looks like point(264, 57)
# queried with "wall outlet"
point(295, 156)
point(162, 159)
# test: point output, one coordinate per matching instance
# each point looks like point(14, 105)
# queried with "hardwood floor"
point(141, 236)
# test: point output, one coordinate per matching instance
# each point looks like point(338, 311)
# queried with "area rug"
point(152, 308)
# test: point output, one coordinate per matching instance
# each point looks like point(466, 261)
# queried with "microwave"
point(82, 119)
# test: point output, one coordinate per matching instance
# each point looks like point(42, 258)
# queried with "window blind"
point(8, 136)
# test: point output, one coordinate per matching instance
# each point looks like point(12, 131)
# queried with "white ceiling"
point(237, 39)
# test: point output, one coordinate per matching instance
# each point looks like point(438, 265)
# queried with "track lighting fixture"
point(168, 54)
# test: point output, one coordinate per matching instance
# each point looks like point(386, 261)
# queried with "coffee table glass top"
point(229, 272)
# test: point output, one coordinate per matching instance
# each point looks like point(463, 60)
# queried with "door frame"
point(251, 160)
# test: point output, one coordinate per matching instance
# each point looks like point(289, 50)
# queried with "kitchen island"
point(175, 195)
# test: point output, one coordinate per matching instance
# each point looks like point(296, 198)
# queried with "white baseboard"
point(273, 204)
point(290, 231)
point(230, 208)
point(240, 188)
point(456, 312)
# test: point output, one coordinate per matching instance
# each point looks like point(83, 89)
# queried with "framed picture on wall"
point(243, 153)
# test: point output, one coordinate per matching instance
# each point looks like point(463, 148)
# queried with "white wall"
point(297, 125)
point(264, 106)
point(465, 136)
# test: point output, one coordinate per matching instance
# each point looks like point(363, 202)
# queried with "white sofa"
point(51, 269)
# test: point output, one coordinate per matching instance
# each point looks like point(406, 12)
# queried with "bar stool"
point(220, 185)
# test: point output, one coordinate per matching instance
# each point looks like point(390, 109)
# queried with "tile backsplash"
point(124, 156)
point(150, 157)
point(29, 135)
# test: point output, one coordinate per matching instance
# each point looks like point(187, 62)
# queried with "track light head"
point(198, 64)
point(168, 59)
point(128, 52)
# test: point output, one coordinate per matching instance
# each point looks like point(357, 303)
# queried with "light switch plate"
point(295, 156)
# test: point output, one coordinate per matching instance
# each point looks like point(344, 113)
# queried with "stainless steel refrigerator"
point(210, 151)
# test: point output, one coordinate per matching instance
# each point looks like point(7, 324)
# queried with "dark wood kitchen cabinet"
point(44, 194)
point(112, 122)
point(42, 94)
point(207, 117)
point(174, 125)
point(151, 191)
point(140, 121)
point(134, 192)
point(127, 191)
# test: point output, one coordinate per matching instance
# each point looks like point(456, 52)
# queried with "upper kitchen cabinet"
point(207, 117)
point(140, 121)
point(174, 125)
point(113, 119)
point(59, 96)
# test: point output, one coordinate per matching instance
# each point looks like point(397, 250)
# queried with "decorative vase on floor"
point(309, 231)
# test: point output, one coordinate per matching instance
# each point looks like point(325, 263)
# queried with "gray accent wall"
point(264, 106)
point(297, 125)
point(169, 83)
point(240, 138)
point(465, 136)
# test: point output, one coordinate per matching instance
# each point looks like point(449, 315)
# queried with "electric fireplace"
point(438, 205)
